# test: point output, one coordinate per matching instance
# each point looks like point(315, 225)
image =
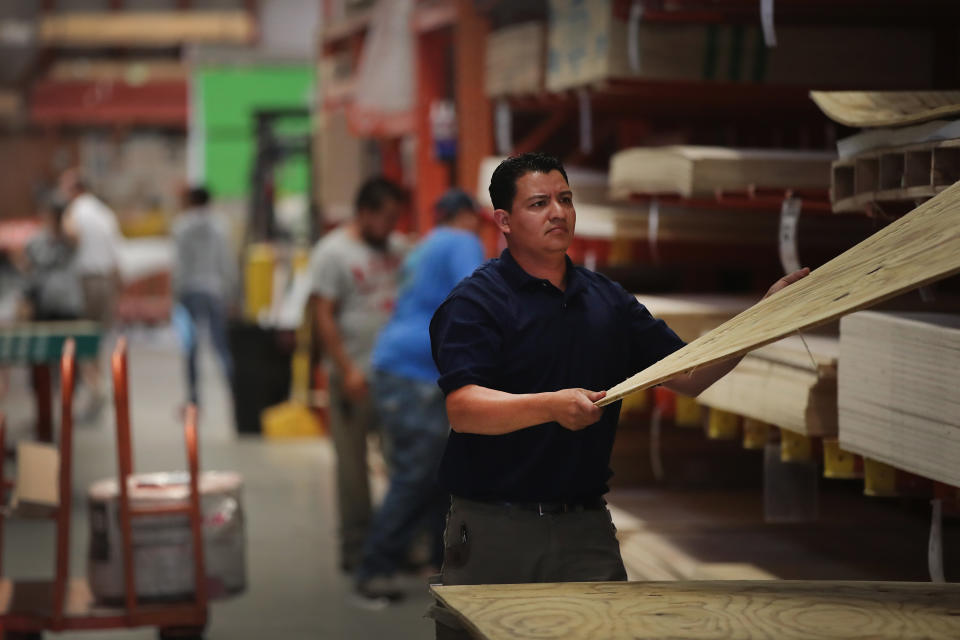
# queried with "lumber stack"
point(892, 164)
point(692, 171)
point(899, 401)
point(515, 59)
point(691, 315)
point(144, 29)
point(785, 385)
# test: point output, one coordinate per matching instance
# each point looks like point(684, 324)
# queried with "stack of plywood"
point(590, 41)
point(899, 400)
point(702, 171)
point(785, 385)
point(515, 59)
point(146, 28)
point(691, 315)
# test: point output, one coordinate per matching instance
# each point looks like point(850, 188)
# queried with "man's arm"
point(354, 381)
point(698, 381)
point(484, 411)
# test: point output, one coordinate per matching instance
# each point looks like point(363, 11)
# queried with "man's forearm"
point(480, 410)
point(330, 336)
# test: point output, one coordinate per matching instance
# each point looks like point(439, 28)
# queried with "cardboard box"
point(516, 59)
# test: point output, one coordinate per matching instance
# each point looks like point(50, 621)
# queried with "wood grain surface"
point(921, 247)
point(886, 108)
point(728, 610)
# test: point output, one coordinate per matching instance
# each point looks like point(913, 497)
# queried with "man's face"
point(542, 218)
point(377, 224)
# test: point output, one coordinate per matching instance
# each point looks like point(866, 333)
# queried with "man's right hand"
point(574, 409)
point(355, 383)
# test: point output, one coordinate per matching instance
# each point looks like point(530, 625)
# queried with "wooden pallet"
point(917, 249)
point(898, 174)
point(700, 610)
point(886, 108)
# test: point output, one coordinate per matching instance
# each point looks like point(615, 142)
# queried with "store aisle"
point(294, 587)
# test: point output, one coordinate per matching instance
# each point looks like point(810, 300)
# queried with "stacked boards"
point(893, 164)
point(917, 249)
point(899, 401)
point(791, 383)
point(692, 171)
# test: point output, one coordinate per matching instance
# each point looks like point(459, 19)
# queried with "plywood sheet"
point(886, 108)
point(701, 171)
point(919, 248)
point(146, 28)
point(702, 610)
point(785, 385)
point(899, 399)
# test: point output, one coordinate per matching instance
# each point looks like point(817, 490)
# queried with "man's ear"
point(502, 218)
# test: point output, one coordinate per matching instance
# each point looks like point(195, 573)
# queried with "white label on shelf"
point(789, 218)
point(586, 121)
point(653, 227)
point(766, 20)
point(503, 119)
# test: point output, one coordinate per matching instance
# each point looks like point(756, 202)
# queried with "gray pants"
point(350, 422)
point(494, 544)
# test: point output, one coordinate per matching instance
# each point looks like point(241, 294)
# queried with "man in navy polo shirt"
point(524, 347)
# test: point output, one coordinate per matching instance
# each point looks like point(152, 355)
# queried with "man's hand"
point(574, 409)
point(355, 383)
point(786, 280)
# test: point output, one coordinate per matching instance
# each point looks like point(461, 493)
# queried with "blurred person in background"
point(205, 281)
point(408, 400)
point(93, 226)
point(52, 284)
point(353, 271)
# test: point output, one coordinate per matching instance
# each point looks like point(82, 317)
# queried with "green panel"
point(230, 95)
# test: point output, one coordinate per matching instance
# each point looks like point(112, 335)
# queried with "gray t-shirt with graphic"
point(362, 281)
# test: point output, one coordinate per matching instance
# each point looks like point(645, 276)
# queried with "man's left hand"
point(786, 280)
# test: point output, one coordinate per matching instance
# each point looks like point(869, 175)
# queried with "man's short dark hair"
point(198, 197)
point(376, 191)
point(503, 183)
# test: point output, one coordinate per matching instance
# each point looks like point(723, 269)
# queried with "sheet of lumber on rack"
point(784, 385)
point(919, 248)
point(886, 108)
point(701, 171)
point(899, 398)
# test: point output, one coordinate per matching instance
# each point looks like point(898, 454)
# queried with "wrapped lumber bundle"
point(899, 401)
point(785, 385)
point(702, 171)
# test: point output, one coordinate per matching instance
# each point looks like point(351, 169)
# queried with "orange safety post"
point(196, 521)
point(124, 471)
point(68, 367)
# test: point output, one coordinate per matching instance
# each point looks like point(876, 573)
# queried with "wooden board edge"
point(619, 395)
point(470, 626)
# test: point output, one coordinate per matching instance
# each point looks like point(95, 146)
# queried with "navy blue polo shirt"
point(504, 329)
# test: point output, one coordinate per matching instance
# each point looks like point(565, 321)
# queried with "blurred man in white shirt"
point(94, 228)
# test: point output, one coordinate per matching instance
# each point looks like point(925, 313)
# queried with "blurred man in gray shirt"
point(204, 279)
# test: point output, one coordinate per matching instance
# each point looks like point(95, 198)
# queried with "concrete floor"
point(294, 587)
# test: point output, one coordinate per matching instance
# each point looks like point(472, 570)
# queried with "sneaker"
point(380, 588)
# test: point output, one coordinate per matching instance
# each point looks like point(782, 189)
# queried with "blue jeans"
point(413, 416)
point(205, 307)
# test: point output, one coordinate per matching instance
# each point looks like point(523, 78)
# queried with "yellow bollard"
point(837, 463)
point(637, 402)
point(258, 281)
point(723, 425)
point(879, 479)
point(795, 447)
point(290, 420)
point(755, 434)
point(688, 413)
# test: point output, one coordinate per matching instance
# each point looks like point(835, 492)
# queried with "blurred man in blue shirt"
point(408, 400)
